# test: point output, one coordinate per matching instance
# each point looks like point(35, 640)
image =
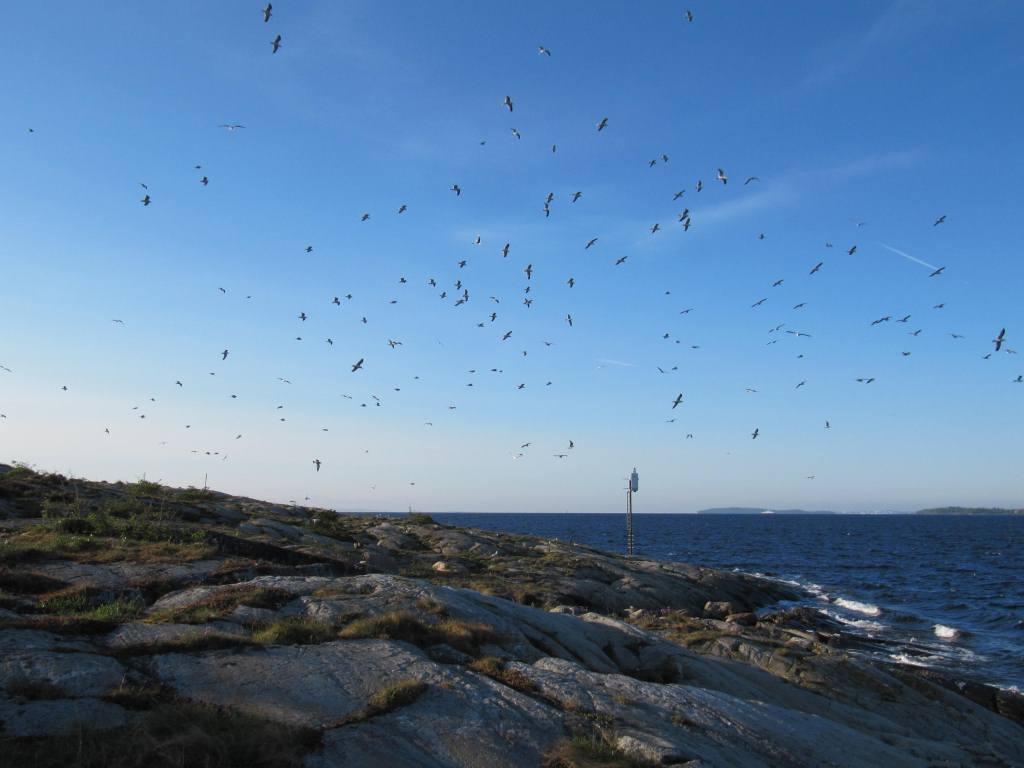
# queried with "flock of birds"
point(458, 293)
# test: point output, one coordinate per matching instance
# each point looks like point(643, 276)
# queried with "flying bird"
point(722, 177)
point(817, 266)
point(998, 340)
point(750, 179)
point(224, 355)
point(145, 201)
point(603, 124)
point(940, 220)
point(543, 51)
point(456, 189)
point(755, 433)
point(357, 365)
point(231, 126)
point(590, 243)
point(677, 401)
point(508, 103)
point(937, 272)
point(276, 44)
point(267, 12)
point(316, 462)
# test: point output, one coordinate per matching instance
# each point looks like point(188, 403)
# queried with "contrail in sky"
point(908, 256)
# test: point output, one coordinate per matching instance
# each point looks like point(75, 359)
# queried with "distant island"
point(970, 511)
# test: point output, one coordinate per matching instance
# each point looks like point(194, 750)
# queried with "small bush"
point(143, 488)
point(386, 699)
point(396, 625)
point(19, 470)
point(81, 602)
point(68, 602)
point(195, 494)
point(466, 636)
point(294, 630)
point(495, 669)
point(587, 751)
point(396, 695)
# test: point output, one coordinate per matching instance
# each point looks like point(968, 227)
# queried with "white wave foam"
point(914, 661)
point(946, 633)
point(864, 624)
point(852, 605)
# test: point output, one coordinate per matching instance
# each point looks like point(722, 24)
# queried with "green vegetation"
point(466, 636)
point(391, 697)
point(82, 602)
point(495, 669)
point(195, 494)
point(144, 488)
point(40, 543)
point(589, 750)
point(172, 735)
point(294, 630)
point(386, 699)
point(418, 518)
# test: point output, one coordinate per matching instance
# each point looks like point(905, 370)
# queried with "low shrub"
point(294, 630)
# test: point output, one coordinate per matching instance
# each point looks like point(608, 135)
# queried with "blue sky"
point(864, 123)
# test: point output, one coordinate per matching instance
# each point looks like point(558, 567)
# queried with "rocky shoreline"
point(145, 625)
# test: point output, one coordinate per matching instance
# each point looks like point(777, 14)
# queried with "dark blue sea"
point(942, 591)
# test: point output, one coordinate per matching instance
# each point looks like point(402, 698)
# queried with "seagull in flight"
point(722, 177)
point(576, 196)
point(603, 124)
point(758, 303)
point(145, 201)
point(316, 462)
point(755, 433)
point(357, 365)
point(456, 189)
point(267, 13)
point(817, 267)
point(231, 126)
point(998, 340)
point(940, 220)
point(677, 401)
point(224, 355)
point(508, 103)
point(866, 381)
point(689, 15)
point(937, 272)
point(594, 240)
point(276, 43)
point(750, 179)
point(541, 50)
point(621, 260)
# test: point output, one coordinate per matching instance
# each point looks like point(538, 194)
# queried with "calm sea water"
point(946, 591)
